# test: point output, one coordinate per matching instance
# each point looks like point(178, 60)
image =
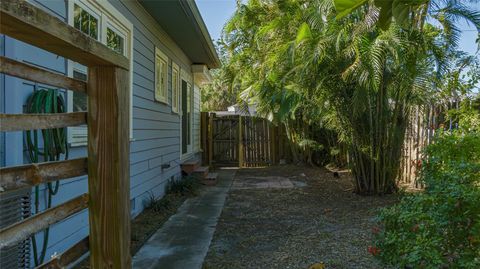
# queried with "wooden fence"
point(423, 123)
point(247, 141)
point(242, 141)
point(107, 165)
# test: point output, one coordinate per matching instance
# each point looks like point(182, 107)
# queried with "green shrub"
point(157, 205)
point(187, 185)
point(440, 227)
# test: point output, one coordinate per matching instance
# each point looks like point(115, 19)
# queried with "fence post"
point(210, 138)
point(204, 132)
point(240, 141)
point(273, 146)
point(108, 167)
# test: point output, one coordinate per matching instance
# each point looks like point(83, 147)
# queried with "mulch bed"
point(148, 222)
point(295, 227)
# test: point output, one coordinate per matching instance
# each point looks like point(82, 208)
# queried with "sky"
point(216, 13)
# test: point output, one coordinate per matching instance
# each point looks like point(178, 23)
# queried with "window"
point(86, 21)
point(189, 114)
point(115, 40)
point(175, 88)
point(186, 109)
point(161, 73)
point(100, 21)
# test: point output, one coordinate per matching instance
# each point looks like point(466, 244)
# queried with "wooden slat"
point(23, 21)
point(69, 256)
point(32, 73)
point(211, 118)
point(203, 129)
point(22, 122)
point(24, 176)
point(240, 141)
point(24, 229)
point(108, 167)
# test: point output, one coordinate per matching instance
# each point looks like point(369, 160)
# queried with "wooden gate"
point(243, 141)
point(225, 140)
point(257, 142)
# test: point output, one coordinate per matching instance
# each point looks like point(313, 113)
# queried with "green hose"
point(54, 145)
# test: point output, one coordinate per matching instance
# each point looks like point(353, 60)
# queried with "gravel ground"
point(295, 227)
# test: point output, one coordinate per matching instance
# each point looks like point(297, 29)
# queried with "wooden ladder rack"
point(107, 165)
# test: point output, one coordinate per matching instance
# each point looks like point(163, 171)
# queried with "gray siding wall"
point(156, 129)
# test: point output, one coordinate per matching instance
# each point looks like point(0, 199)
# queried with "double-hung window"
point(175, 88)
point(102, 22)
point(186, 113)
point(161, 76)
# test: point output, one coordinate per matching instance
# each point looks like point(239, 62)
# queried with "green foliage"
point(222, 91)
point(467, 115)
point(439, 228)
point(349, 76)
point(157, 205)
point(345, 7)
point(400, 10)
point(304, 32)
point(186, 186)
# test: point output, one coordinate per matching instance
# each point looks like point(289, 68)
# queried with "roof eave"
point(207, 40)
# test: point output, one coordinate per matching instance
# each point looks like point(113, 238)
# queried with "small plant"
point(185, 186)
point(157, 205)
point(439, 228)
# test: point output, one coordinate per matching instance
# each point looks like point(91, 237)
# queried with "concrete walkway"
point(183, 241)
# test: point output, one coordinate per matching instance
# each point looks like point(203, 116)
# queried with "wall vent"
point(14, 207)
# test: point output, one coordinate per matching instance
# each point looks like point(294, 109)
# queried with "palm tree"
point(356, 75)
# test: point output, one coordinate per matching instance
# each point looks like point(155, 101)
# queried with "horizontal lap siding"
point(74, 228)
point(156, 130)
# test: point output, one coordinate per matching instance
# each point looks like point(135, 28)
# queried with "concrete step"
point(189, 167)
point(210, 179)
point(201, 172)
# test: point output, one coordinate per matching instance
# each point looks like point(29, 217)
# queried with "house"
point(237, 109)
point(170, 52)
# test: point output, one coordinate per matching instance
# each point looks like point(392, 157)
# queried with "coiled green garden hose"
point(54, 145)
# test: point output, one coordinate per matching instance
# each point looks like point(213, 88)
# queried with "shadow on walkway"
point(183, 241)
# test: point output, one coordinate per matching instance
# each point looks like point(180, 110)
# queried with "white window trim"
point(108, 15)
point(162, 56)
point(176, 101)
point(186, 76)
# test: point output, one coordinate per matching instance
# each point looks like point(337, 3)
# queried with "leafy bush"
point(187, 185)
point(440, 227)
point(157, 205)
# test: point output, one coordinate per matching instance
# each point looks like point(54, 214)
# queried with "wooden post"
point(273, 139)
point(281, 143)
point(240, 141)
point(204, 132)
point(210, 138)
point(108, 167)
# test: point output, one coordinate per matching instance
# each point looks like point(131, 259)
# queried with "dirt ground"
point(266, 225)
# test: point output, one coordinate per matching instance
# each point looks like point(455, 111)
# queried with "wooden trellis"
point(107, 165)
